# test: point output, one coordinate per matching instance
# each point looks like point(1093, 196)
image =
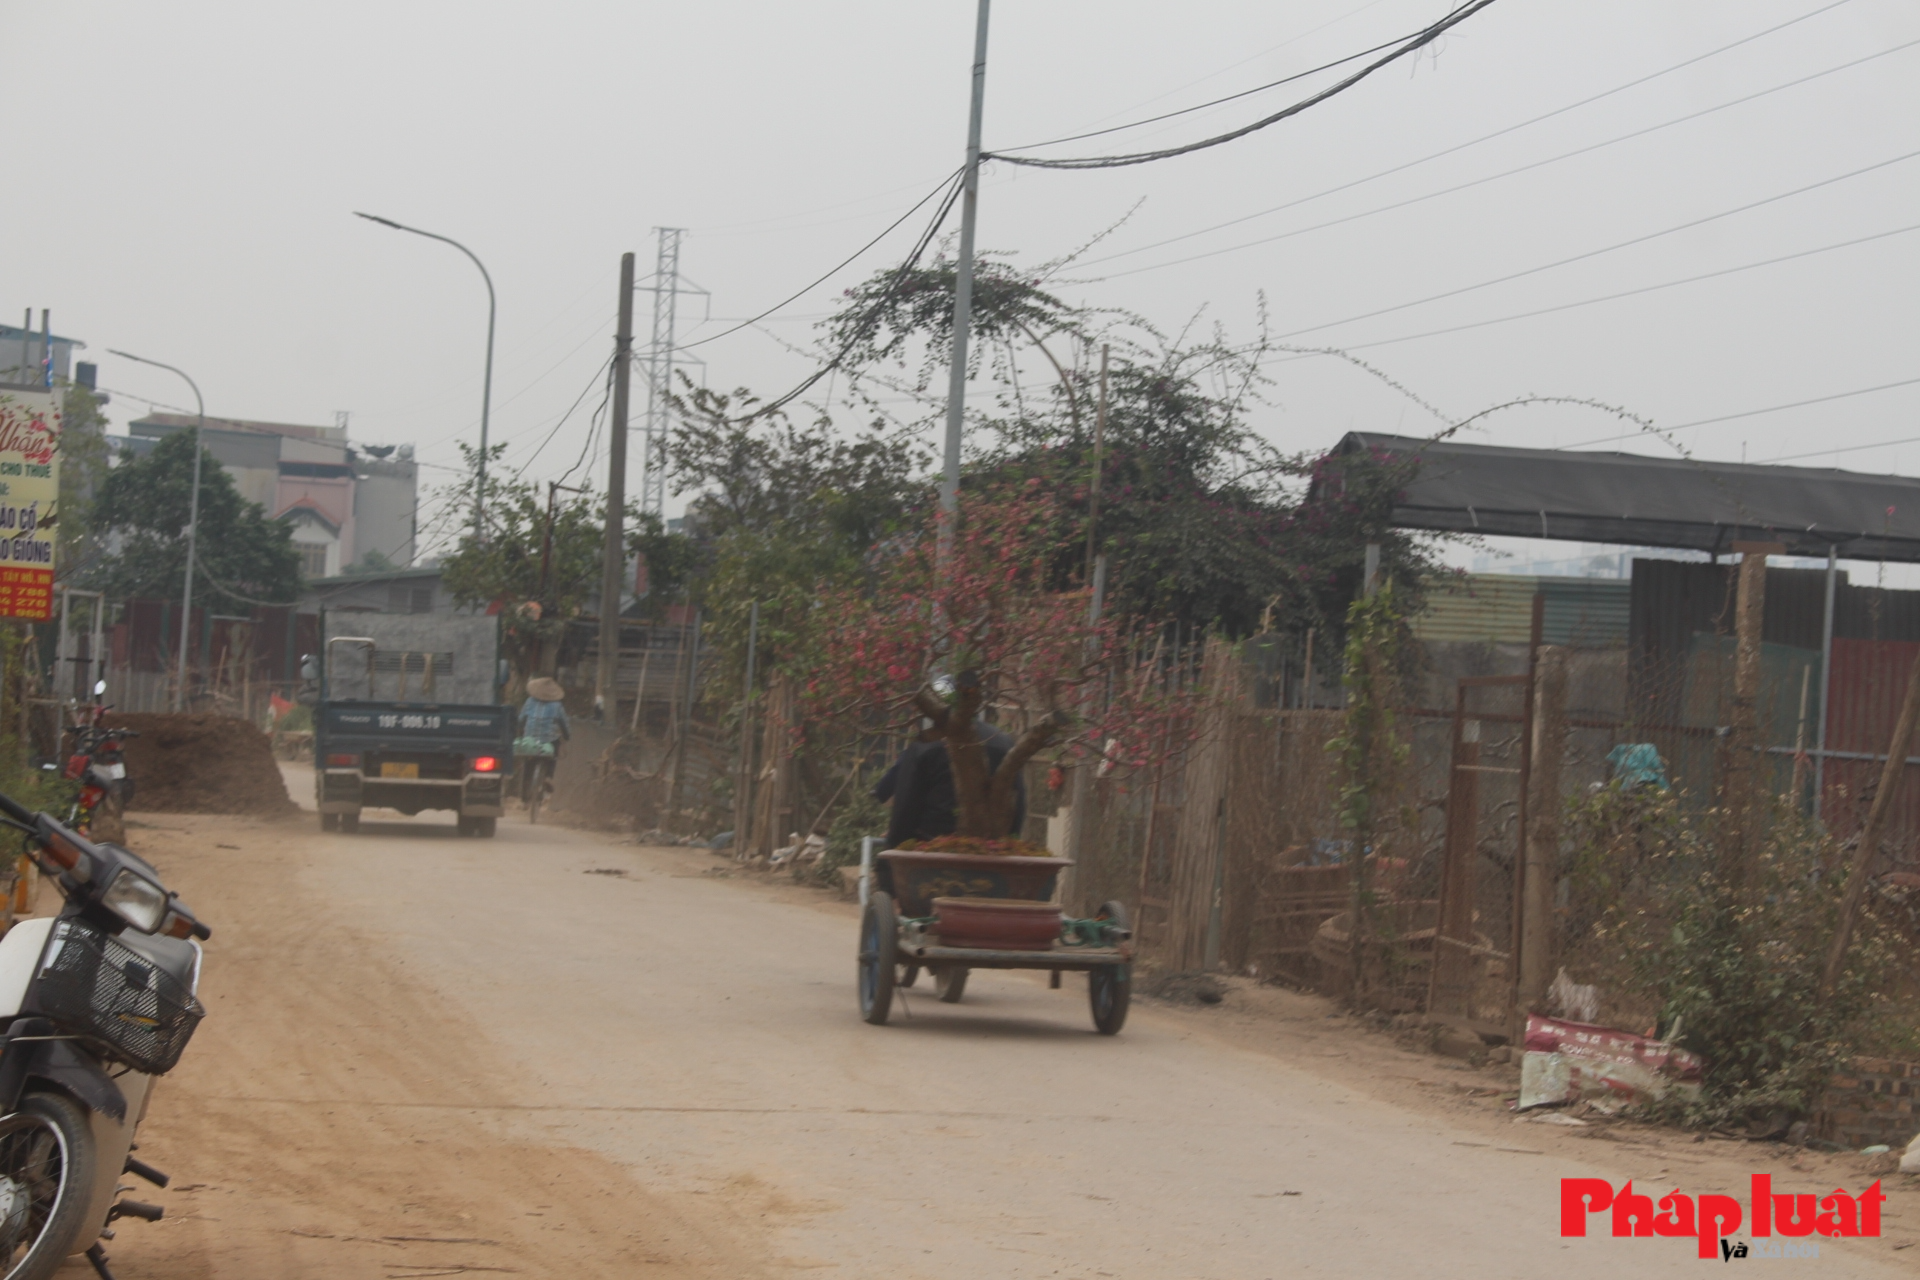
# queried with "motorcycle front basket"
point(93, 986)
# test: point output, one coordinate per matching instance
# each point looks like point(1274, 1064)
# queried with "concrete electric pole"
point(963, 286)
point(605, 695)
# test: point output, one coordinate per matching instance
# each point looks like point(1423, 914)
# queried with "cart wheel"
point(329, 822)
point(950, 982)
point(879, 949)
point(1109, 991)
point(350, 823)
point(909, 974)
point(1110, 987)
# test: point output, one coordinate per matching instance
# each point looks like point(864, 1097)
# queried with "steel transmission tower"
point(658, 363)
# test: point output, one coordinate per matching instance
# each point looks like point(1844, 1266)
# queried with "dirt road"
point(435, 1056)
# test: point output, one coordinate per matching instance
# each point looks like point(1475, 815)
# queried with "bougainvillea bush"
point(982, 615)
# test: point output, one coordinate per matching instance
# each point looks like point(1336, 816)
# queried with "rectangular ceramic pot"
point(920, 876)
point(1001, 924)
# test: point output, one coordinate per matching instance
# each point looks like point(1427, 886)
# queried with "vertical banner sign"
point(29, 495)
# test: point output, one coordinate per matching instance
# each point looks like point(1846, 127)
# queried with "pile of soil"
point(202, 764)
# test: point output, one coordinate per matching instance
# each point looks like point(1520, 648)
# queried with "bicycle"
point(536, 761)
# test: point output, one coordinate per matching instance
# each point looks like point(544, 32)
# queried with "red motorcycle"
point(99, 764)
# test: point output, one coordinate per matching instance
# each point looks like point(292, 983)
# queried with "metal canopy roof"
point(1651, 502)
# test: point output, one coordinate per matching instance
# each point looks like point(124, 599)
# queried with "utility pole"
point(1740, 792)
point(1540, 838)
point(1093, 488)
point(554, 489)
point(963, 290)
point(604, 693)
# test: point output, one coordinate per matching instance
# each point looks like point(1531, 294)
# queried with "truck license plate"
point(394, 769)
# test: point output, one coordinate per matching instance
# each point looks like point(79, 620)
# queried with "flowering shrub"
point(984, 615)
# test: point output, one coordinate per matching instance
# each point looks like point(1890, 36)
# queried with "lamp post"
point(193, 521)
point(486, 392)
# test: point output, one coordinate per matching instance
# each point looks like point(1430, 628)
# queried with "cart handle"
point(866, 867)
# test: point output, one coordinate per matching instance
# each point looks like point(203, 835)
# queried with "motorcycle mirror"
point(99, 687)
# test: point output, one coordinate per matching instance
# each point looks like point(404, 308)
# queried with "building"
point(346, 503)
point(23, 354)
point(387, 591)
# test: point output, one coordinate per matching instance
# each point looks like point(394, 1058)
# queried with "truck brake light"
point(346, 759)
point(485, 764)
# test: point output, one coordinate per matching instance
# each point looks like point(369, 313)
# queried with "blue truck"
point(408, 717)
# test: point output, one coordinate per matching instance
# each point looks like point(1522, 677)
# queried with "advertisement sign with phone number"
point(29, 497)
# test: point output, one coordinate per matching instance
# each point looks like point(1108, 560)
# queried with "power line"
point(1235, 66)
point(724, 227)
point(1244, 93)
point(1419, 41)
point(1476, 182)
point(865, 326)
point(1487, 137)
point(593, 431)
point(950, 179)
point(947, 182)
point(1594, 253)
point(568, 414)
point(1851, 448)
point(1629, 293)
point(1754, 413)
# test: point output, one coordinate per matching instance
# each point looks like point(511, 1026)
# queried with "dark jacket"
point(921, 786)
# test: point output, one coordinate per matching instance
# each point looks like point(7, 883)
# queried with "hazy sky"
point(199, 164)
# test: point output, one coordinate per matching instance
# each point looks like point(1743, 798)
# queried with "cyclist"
point(543, 719)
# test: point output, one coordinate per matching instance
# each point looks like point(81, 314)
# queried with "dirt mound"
point(202, 764)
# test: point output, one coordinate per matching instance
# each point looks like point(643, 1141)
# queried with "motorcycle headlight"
point(137, 900)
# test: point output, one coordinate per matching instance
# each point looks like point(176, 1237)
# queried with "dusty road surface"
point(553, 1055)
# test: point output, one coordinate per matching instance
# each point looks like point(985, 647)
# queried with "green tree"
point(541, 560)
point(83, 468)
point(782, 513)
point(371, 563)
point(244, 556)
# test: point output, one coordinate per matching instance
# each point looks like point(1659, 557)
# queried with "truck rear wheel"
point(329, 822)
point(483, 827)
point(350, 823)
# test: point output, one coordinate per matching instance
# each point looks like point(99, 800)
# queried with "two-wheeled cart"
point(952, 913)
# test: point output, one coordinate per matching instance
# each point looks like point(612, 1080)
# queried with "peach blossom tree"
point(988, 616)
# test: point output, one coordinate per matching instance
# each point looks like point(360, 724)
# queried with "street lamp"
point(193, 521)
point(486, 393)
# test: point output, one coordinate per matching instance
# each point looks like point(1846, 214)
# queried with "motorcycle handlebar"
point(17, 811)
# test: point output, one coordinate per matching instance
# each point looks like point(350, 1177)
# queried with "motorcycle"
point(97, 1003)
point(99, 764)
